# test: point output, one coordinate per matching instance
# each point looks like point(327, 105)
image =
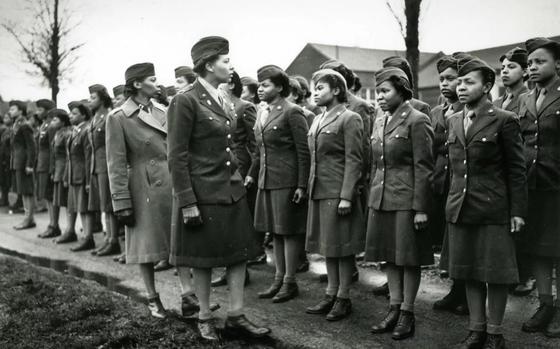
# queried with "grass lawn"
point(41, 308)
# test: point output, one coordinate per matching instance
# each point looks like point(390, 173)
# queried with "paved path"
point(288, 321)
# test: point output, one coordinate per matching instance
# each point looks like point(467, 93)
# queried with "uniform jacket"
point(79, 155)
point(5, 137)
point(513, 106)
point(335, 144)
point(309, 116)
point(440, 179)
point(422, 107)
point(281, 155)
point(487, 177)
point(202, 163)
point(137, 166)
point(59, 156)
point(367, 113)
point(96, 134)
point(44, 141)
point(402, 161)
point(243, 136)
point(541, 138)
point(22, 145)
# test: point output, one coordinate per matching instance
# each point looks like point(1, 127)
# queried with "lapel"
point(551, 96)
point(149, 120)
point(531, 102)
point(456, 123)
point(484, 116)
point(275, 112)
point(399, 116)
point(314, 129)
point(331, 117)
point(207, 101)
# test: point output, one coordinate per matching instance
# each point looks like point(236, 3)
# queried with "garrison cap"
point(446, 62)
point(61, 114)
point(208, 47)
point(139, 71)
point(118, 90)
point(74, 104)
point(467, 66)
point(401, 63)
point(517, 55)
point(536, 43)
point(46, 104)
point(331, 64)
point(322, 73)
point(461, 55)
point(247, 80)
point(184, 71)
point(97, 88)
point(268, 71)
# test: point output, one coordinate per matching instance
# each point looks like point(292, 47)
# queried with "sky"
point(119, 33)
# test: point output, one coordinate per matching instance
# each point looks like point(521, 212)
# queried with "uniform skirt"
point(77, 199)
point(226, 237)
point(276, 213)
point(484, 253)
point(60, 194)
point(391, 237)
point(100, 194)
point(542, 234)
point(332, 235)
point(24, 183)
point(45, 186)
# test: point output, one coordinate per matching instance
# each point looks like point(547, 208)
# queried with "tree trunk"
point(412, 13)
point(55, 40)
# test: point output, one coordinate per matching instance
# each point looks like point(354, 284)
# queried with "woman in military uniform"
point(486, 202)
point(399, 202)
point(280, 170)
point(335, 224)
point(539, 114)
point(136, 134)
point(211, 223)
point(5, 173)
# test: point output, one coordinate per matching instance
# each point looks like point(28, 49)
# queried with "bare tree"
point(410, 35)
point(44, 44)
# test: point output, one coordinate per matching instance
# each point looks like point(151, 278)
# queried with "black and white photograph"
point(292, 175)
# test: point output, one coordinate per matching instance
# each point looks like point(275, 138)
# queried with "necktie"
point(540, 100)
point(507, 100)
point(388, 118)
point(467, 120)
point(264, 115)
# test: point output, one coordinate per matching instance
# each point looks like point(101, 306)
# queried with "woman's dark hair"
point(84, 110)
point(130, 90)
point(253, 87)
point(281, 79)
point(348, 75)
point(357, 84)
point(304, 85)
point(297, 90)
point(105, 98)
point(333, 83)
point(237, 85)
point(200, 68)
point(402, 87)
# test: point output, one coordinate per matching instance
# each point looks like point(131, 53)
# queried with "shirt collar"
point(214, 93)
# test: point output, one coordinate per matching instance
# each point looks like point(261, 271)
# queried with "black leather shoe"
point(84, 245)
point(389, 322)
point(271, 291)
point(162, 266)
point(341, 309)
point(382, 290)
point(449, 302)
point(68, 236)
point(25, 225)
point(241, 325)
point(94, 252)
point(109, 249)
point(207, 330)
point(122, 259)
point(324, 306)
point(495, 341)
point(525, 288)
point(289, 290)
point(51, 232)
point(553, 328)
point(303, 267)
point(259, 260)
point(156, 308)
point(540, 320)
point(190, 305)
point(475, 340)
point(405, 326)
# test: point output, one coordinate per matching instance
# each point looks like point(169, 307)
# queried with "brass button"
point(228, 150)
point(153, 162)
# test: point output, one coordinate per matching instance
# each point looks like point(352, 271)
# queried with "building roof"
point(363, 59)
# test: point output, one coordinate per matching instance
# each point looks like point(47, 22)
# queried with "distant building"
point(366, 61)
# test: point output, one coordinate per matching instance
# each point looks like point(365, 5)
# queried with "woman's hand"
point(249, 181)
point(299, 194)
point(420, 221)
point(191, 216)
point(344, 207)
point(517, 224)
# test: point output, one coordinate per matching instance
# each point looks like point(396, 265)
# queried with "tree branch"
point(399, 21)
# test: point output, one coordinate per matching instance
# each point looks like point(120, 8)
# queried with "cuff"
point(186, 198)
point(121, 201)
